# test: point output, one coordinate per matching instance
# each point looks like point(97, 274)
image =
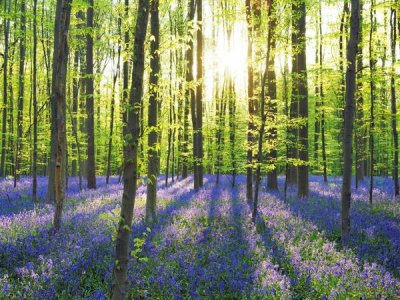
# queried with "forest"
point(199, 149)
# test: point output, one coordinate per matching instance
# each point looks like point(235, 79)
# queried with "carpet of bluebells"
point(204, 245)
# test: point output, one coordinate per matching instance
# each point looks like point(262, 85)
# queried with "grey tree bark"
point(34, 100)
point(190, 99)
point(393, 38)
point(58, 99)
point(6, 27)
point(132, 129)
point(21, 90)
point(115, 77)
point(91, 166)
point(153, 135)
point(272, 112)
point(263, 115)
point(349, 116)
point(372, 64)
point(300, 93)
point(360, 131)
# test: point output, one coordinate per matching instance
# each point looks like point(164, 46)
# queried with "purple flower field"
point(204, 245)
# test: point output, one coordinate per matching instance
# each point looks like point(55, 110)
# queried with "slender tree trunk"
point(349, 116)
point(372, 62)
point(125, 78)
point(91, 167)
point(232, 128)
point(263, 115)
point(196, 100)
point(322, 97)
point(250, 103)
point(286, 100)
point(300, 93)
point(190, 99)
point(190, 95)
point(59, 78)
point(360, 131)
point(110, 139)
point(7, 5)
point(294, 103)
point(77, 79)
point(75, 95)
point(120, 271)
point(342, 100)
point(35, 111)
point(152, 152)
point(21, 90)
point(10, 109)
point(393, 38)
point(221, 117)
point(317, 122)
point(272, 111)
point(171, 103)
point(77, 143)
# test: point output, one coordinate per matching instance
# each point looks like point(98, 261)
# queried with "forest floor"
point(204, 245)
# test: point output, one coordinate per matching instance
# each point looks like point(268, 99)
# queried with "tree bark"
point(91, 166)
point(360, 132)
point(58, 98)
point(7, 6)
point(393, 38)
point(263, 115)
point(322, 97)
point(349, 117)
point(21, 89)
point(120, 270)
point(190, 99)
point(110, 139)
point(196, 98)
point(152, 152)
point(35, 111)
point(300, 94)
point(342, 37)
point(372, 62)
point(272, 111)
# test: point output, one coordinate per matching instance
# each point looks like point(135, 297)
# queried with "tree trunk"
point(7, 6)
point(21, 82)
point(77, 143)
point(317, 122)
point(372, 62)
point(35, 111)
point(360, 132)
point(110, 139)
point(272, 111)
point(349, 117)
point(125, 78)
point(393, 38)
point(300, 93)
point(78, 59)
point(190, 99)
point(59, 78)
point(120, 271)
point(322, 97)
point(196, 98)
point(152, 152)
point(91, 167)
point(250, 103)
point(171, 104)
point(342, 98)
point(232, 128)
point(263, 115)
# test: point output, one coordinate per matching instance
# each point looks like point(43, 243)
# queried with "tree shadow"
point(93, 250)
point(375, 233)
